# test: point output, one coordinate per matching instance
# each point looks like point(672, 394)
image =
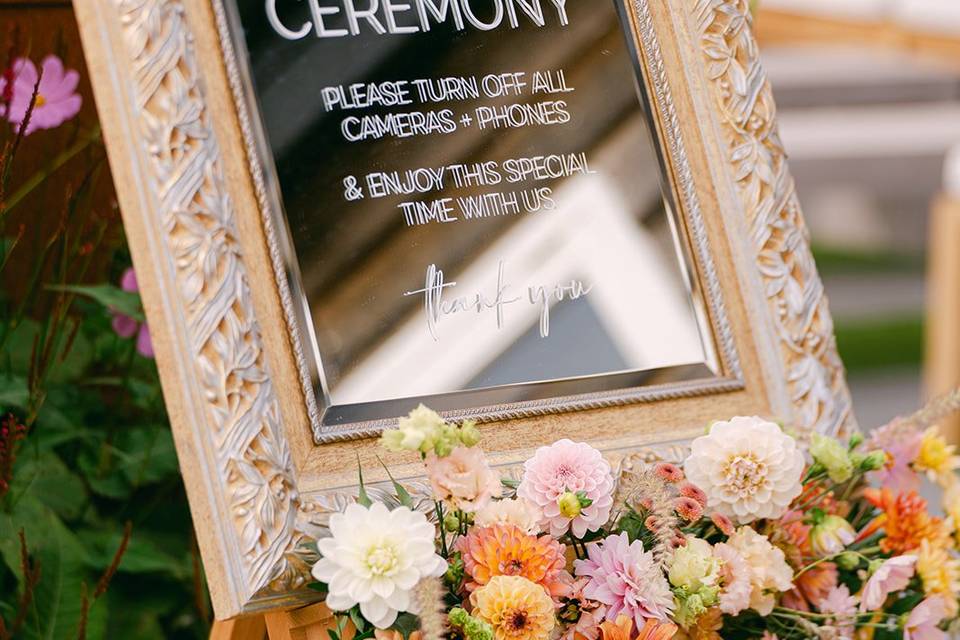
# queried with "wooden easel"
point(942, 361)
point(308, 623)
point(785, 27)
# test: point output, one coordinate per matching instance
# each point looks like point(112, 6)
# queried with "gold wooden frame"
point(260, 489)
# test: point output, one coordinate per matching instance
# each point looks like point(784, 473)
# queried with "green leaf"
point(137, 456)
point(358, 620)
point(362, 498)
point(13, 392)
point(142, 556)
point(135, 615)
point(320, 587)
point(402, 494)
point(111, 297)
point(44, 478)
point(56, 608)
point(406, 624)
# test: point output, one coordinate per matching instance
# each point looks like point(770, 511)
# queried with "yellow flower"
point(940, 574)
point(516, 608)
point(951, 506)
point(937, 458)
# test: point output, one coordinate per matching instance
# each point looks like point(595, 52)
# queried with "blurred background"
point(869, 97)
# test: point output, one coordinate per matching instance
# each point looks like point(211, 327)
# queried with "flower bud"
point(832, 535)
point(874, 461)
point(451, 522)
point(856, 440)
point(848, 560)
point(834, 457)
point(569, 505)
point(469, 434)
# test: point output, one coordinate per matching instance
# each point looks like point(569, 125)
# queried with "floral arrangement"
point(754, 536)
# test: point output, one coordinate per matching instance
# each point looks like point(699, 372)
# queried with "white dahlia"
point(748, 467)
point(375, 558)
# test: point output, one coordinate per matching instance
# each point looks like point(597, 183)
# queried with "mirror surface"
point(475, 209)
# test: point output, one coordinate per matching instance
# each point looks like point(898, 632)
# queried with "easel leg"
point(943, 312)
point(250, 628)
point(308, 623)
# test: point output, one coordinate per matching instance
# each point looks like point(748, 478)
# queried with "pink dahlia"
point(627, 579)
point(57, 98)
point(566, 468)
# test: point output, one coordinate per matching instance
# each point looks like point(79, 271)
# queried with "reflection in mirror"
point(473, 201)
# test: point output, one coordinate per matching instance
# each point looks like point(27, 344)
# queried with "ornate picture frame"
point(260, 485)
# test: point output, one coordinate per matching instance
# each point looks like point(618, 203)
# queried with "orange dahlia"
point(905, 521)
point(505, 550)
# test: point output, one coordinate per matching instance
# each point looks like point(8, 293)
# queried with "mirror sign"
point(475, 208)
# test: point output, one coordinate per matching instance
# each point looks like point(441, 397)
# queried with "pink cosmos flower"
point(842, 607)
point(902, 444)
point(568, 467)
point(894, 574)
point(127, 327)
point(57, 99)
point(923, 620)
point(625, 578)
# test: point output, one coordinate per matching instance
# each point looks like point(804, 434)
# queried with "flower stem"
point(52, 167)
point(443, 532)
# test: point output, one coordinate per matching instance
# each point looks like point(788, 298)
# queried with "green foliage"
point(98, 453)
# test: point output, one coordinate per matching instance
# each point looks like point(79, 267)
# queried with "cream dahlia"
point(518, 512)
point(748, 467)
point(736, 577)
point(565, 468)
point(375, 558)
point(769, 571)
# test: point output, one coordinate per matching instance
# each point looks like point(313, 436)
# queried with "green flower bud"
point(834, 457)
point(831, 535)
point(451, 522)
point(477, 629)
point(569, 504)
point(392, 440)
point(856, 440)
point(848, 561)
point(469, 434)
point(448, 439)
point(473, 628)
point(874, 461)
point(458, 617)
point(455, 569)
